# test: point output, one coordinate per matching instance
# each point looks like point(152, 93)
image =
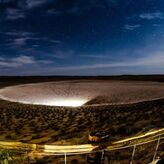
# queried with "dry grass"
point(43, 124)
point(61, 125)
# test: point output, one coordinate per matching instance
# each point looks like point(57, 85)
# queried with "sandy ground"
point(67, 93)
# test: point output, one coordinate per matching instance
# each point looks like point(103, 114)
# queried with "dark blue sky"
point(81, 37)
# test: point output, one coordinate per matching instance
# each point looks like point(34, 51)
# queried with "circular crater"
point(83, 92)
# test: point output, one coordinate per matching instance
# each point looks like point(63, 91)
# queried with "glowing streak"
point(55, 102)
point(140, 136)
point(66, 102)
point(71, 148)
point(49, 149)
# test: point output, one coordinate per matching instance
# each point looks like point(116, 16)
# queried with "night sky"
point(81, 37)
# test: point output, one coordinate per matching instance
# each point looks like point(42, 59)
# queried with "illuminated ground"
point(117, 111)
point(77, 93)
point(113, 108)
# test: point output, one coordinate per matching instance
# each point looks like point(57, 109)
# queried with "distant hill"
point(33, 79)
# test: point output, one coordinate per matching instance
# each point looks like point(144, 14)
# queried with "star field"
point(81, 37)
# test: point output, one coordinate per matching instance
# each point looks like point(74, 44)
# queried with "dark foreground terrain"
point(59, 125)
point(43, 124)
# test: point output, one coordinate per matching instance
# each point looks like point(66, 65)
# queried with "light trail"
point(67, 102)
point(46, 150)
point(68, 149)
point(140, 136)
point(16, 145)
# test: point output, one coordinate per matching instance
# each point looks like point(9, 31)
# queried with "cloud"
point(53, 12)
point(63, 54)
point(148, 63)
point(94, 56)
point(24, 60)
point(131, 27)
point(47, 39)
point(150, 16)
point(14, 14)
point(17, 42)
point(16, 61)
point(151, 60)
point(18, 33)
point(78, 7)
point(18, 8)
point(54, 41)
point(17, 39)
point(20, 41)
point(100, 57)
point(35, 3)
point(24, 4)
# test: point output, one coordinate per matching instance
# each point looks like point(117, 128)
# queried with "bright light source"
point(68, 148)
point(68, 102)
point(62, 101)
